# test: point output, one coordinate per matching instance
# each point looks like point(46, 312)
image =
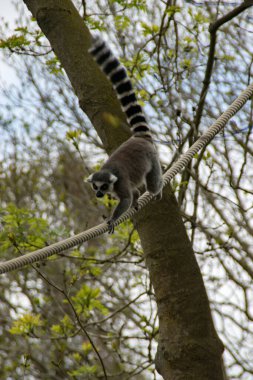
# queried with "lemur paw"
point(158, 196)
point(110, 225)
point(136, 206)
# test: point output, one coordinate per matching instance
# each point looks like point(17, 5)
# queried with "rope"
point(185, 158)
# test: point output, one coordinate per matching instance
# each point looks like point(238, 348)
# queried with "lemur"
point(135, 162)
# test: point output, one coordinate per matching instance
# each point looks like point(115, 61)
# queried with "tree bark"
point(189, 347)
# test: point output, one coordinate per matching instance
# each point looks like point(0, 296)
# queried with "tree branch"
point(211, 55)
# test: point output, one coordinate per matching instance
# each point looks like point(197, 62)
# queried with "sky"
point(8, 14)
point(7, 9)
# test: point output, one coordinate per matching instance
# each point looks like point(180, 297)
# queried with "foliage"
point(19, 41)
point(65, 327)
point(54, 66)
point(22, 230)
point(26, 324)
point(102, 287)
point(14, 41)
point(85, 301)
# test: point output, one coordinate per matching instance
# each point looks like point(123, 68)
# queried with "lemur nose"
point(99, 194)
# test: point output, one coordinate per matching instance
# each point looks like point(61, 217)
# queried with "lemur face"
point(102, 188)
point(102, 185)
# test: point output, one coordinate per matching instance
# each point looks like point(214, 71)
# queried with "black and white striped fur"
point(117, 74)
point(135, 163)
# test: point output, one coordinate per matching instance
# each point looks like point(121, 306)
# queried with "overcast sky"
point(7, 10)
point(8, 14)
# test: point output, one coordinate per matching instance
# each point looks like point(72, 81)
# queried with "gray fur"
point(135, 163)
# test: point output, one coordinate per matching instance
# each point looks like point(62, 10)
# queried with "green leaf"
point(173, 9)
point(26, 324)
point(227, 57)
point(15, 41)
point(54, 66)
point(86, 300)
point(138, 4)
point(149, 29)
point(186, 63)
point(83, 370)
point(21, 230)
point(200, 18)
point(76, 356)
point(122, 22)
point(86, 347)
point(65, 327)
point(22, 29)
point(70, 135)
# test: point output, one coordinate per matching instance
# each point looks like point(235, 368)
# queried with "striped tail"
point(117, 74)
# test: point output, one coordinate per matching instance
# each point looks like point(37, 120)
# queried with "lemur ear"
point(113, 178)
point(89, 179)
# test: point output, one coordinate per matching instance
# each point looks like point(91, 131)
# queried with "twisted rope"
point(93, 232)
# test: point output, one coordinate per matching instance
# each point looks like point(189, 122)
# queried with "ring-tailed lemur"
point(135, 163)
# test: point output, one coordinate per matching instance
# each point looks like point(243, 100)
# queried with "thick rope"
point(185, 158)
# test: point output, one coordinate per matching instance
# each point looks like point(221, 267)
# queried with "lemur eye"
point(104, 187)
point(94, 186)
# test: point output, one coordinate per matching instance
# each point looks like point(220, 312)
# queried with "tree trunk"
point(189, 347)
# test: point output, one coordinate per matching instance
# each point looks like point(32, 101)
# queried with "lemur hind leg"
point(136, 194)
point(155, 181)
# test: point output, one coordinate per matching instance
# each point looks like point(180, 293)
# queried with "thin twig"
point(76, 316)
